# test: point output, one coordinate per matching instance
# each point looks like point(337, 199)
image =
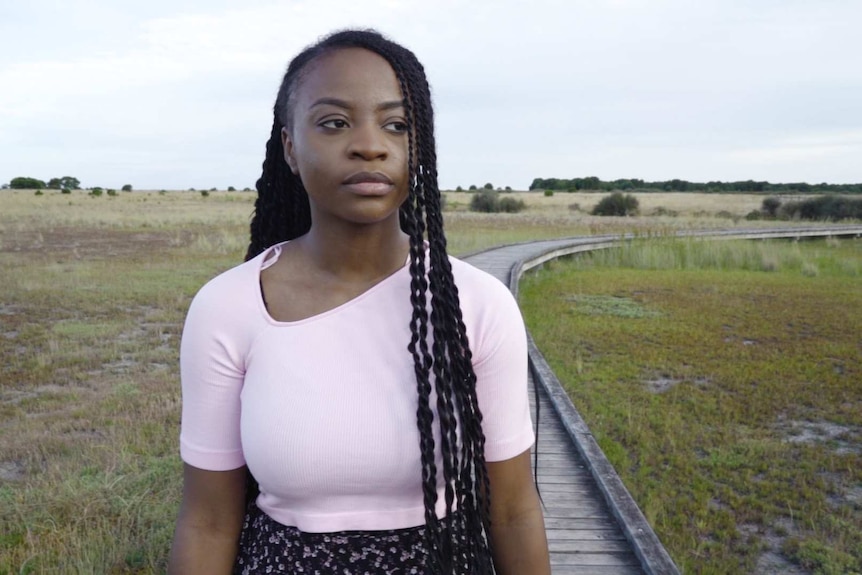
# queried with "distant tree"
point(64, 182)
point(23, 183)
point(473, 188)
point(127, 188)
point(488, 186)
point(617, 204)
point(4, 187)
point(231, 189)
point(508, 188)
point(459, 189)
point(246, 189)
point(213, 190)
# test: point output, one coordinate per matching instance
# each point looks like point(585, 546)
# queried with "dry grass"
point(94, 292)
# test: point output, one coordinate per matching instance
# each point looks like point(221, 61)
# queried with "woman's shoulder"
point(236, 288)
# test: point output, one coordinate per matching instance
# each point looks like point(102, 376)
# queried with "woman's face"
point(348, 138)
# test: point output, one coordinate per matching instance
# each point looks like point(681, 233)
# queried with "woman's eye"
point(335, 123)
point(396, 126)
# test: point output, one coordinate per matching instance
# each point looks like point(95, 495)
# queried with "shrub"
point(205, 193)
point(511, 205)
point(127, 188)
point(485, 201)
point(617, 204)
point(662, 211)
point(770, 206)
point(549, 193)
point(96, 192)
point(65, 191)
point(489, 201)
point(754, 215)
point(162, 192)
point(112, 192)
point(39, 193)
point(830, 208)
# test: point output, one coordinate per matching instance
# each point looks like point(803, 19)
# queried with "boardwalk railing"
point(509, 263)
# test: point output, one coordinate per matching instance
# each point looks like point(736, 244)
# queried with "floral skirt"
point(267, 546)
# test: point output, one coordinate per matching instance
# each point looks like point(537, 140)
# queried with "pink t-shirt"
point(323, 410)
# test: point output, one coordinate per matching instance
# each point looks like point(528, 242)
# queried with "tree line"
point(592, 183)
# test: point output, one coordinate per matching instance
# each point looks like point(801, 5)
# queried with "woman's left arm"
point(518, 539)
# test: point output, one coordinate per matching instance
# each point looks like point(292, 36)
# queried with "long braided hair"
point(459, 545)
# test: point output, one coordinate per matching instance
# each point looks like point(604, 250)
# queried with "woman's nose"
point(368, 142)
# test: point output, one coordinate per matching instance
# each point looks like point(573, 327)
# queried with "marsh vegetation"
point(95, 289)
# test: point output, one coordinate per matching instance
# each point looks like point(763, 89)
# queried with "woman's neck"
point(355, 253)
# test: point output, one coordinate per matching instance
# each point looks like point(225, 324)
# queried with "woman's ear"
point(287, 144)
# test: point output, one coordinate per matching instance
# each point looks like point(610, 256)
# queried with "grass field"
point(724, 383)
point(94, 292)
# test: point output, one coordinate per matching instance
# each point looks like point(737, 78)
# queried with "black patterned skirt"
point(267, 546)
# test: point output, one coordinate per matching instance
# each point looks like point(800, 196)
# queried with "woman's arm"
point(518, 539)
point(209, 522)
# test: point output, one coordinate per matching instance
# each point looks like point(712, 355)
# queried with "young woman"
point(373, 388)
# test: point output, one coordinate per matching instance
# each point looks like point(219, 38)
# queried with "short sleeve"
point(500, 364)
point(212, 372)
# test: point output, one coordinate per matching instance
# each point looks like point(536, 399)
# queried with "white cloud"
point(167, 94)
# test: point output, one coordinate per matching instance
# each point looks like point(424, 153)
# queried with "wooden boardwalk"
point(593, 524)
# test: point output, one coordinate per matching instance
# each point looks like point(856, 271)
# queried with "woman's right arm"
point(209, 522)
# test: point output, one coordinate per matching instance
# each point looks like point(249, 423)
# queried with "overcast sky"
point(177, 94)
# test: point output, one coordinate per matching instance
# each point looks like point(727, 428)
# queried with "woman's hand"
point(518, 539)
point(209, 523)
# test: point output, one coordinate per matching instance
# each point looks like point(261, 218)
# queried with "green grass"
point(94, 293)
point(723, 380)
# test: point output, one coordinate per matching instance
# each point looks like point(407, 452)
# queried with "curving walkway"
point(593, 524)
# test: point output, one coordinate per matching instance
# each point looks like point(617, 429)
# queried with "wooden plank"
point(584, 535)
point(582, 523)
point(596, 570)
point(618, 546)
point(593, 559)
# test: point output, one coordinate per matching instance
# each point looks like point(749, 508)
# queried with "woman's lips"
point(368, 183)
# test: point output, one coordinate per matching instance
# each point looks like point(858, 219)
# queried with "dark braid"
point(459, 545)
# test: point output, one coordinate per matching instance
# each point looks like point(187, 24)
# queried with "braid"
point(459, 545)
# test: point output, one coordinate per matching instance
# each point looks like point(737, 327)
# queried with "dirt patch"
point(771, 561)
point(92, 244)
point(12, 470)
point(663, 384)
point(843, 439)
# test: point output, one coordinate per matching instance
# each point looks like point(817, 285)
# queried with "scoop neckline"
point(267, 259)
